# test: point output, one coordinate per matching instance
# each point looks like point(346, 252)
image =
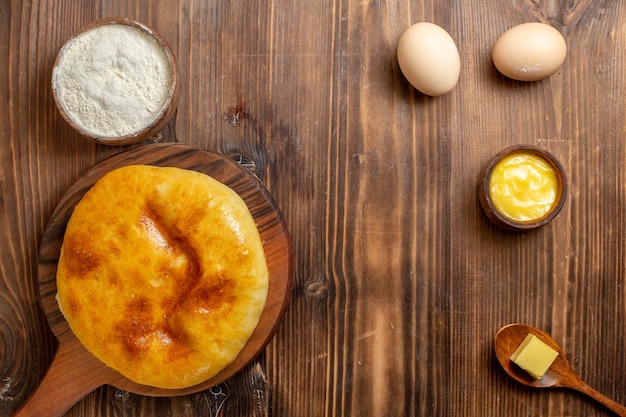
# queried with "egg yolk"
point(523, 187)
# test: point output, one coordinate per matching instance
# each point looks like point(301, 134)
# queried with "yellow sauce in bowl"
point(523, 187)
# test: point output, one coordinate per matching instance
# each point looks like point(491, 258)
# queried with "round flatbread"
point(162, 274)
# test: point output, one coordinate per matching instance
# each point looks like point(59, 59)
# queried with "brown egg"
point(429, 59)
point(529, 52)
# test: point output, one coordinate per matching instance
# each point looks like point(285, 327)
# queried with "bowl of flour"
point(116, 82)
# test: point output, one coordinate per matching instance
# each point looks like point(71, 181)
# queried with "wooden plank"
point(400, 280)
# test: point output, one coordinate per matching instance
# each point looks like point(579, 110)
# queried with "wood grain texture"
point(401, 281)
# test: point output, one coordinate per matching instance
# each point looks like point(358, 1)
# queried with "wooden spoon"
point(560, 374)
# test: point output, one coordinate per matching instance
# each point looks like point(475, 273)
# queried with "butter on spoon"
point(559, 374)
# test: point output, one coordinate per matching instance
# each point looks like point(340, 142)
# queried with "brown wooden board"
point(75, 372)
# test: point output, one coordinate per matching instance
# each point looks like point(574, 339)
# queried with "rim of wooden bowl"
point(167, 110)
point(494, 214)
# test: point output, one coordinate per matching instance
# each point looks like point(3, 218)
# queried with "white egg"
point(529, 52)
point(429, 59)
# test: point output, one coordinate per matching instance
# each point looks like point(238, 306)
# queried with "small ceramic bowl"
point(497, 214)
point(122, 88)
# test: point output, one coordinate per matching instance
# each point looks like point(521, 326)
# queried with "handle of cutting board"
point(66, 382)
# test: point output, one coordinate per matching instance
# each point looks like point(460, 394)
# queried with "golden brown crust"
point(162, 274)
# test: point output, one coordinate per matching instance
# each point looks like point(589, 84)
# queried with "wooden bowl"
point(147, 130)
point(505, 222)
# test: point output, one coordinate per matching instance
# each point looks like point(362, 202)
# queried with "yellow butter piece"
point(534, 356)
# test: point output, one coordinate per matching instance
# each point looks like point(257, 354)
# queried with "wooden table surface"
point(400, 280)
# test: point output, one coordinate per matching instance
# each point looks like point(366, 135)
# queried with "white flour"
point(113, 80)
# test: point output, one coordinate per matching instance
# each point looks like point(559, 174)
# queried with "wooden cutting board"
point(75, 372)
